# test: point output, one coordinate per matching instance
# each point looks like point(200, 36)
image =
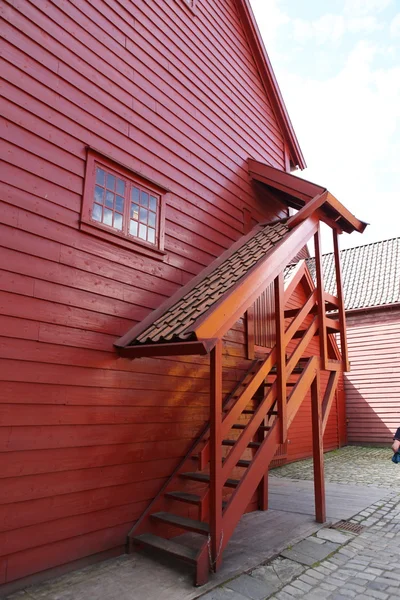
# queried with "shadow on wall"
point(371, 418)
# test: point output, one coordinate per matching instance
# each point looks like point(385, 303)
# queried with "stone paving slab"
point(308, 552)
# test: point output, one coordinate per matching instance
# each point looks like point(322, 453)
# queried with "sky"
point(337, 63)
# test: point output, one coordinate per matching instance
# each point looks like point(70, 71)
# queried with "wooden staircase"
point(227, 466)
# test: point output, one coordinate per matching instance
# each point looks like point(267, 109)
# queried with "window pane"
point(135, 195)
point(118, 221)
point(108, 217)
point(121, 187)
point(119, 204)
point(144, 199)
point(142, 232)
point(97, 212)
point(110, 181)
point(151, 236)
point(143, 215)
point(100, 175)
point(133, 227)
point(134, 211)
point(110, 199)
point(98, 194)
point(152, 219)
point(153, 203)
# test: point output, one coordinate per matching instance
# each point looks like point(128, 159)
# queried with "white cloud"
point(331, 28)
point(395, 26)
point(348, 127)
point(365, 7)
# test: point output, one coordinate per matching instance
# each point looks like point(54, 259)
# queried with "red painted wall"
point(373, 385)
point(87, 439)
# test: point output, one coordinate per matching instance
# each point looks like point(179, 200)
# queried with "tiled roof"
point(370, 273)
point(175, 323)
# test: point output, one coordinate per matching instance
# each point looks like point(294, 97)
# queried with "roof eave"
point(303, 192)
point(269, 81)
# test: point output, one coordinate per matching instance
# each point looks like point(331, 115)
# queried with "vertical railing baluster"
point(215, 540)
point(341, 309)
point(280, 358)
point(322, 331)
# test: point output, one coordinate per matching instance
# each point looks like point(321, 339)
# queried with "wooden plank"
point(216, 482)
point(308, 209)
point(322, 320)
point(167, 349)
point(318, 451)
point(342, 316)
point(280, 359)
point(250, 332)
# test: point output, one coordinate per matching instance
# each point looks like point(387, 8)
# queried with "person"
point(396, 441)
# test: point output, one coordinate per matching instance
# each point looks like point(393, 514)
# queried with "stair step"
point(168, 546)
point(205, 478)
point(240, 426)
point(182, 522)
point(233, 442)
point(184, 497)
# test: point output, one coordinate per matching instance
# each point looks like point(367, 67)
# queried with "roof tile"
point(370, 273)
point(175, 323)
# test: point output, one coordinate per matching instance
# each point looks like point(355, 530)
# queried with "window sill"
point(120, 240)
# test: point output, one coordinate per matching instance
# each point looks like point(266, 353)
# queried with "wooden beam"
point(323, 339)
point(318, 451)
point(328, 397)
point(280, 358)
point(216, 455)
point(308, 209)
point(342, 315)
point(331, 300)
point(168, 349)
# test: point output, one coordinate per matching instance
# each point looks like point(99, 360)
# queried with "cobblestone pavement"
point(365, 566)
point(352, 464)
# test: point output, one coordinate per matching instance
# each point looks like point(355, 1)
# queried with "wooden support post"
point(342, 315)
point(262, 489)
point(216, 456)
point(280, 358)
point(318, 451)
point(323, 336)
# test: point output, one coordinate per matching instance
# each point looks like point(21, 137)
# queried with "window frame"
point(107, 232)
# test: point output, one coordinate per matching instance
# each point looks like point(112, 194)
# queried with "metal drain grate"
point(347, 526)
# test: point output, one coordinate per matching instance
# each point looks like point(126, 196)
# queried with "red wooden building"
point(146, 167)
point(371, 284)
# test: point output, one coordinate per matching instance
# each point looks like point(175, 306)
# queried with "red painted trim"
point(269, 81)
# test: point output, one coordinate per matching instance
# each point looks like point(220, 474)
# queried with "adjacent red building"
point(371, 284)
point(142, 142)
